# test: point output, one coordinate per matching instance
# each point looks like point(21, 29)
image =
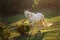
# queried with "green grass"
point(49, 33)
point(54, 34)
point(13, 18)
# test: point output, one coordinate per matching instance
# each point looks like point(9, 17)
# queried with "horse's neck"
point(30, 14)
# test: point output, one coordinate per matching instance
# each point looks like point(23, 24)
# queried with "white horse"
point(36, 19)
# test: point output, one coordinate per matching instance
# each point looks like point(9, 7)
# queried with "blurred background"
point(11, 10)
point(12, 24)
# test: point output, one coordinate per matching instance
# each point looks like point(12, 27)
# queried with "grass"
point(49, 33)
point(13, 18)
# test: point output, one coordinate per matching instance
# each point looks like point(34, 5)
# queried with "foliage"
point(17, 6)
point(4, 34)
point(9, 9)
point(23, 29)
point(6, 31)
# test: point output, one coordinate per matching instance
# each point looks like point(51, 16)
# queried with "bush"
point(4, 34)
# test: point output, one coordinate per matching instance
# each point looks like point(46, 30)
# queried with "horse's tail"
point(49, 24)
point(46, 23)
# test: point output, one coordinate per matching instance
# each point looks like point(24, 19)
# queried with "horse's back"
point(40, 16)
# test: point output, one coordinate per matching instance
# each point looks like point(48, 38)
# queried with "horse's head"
point(27, 13)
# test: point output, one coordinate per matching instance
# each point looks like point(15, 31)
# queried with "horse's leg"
point(31, 29)
point(39, 26)
point(44, 22)
point(30, 33)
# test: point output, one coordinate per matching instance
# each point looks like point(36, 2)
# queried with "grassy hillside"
point(49, 33)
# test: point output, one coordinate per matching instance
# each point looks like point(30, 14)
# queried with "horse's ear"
point(25, 9)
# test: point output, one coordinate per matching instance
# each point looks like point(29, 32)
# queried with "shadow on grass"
point(38, 36)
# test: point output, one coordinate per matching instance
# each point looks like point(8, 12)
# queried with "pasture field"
point(49, 33)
